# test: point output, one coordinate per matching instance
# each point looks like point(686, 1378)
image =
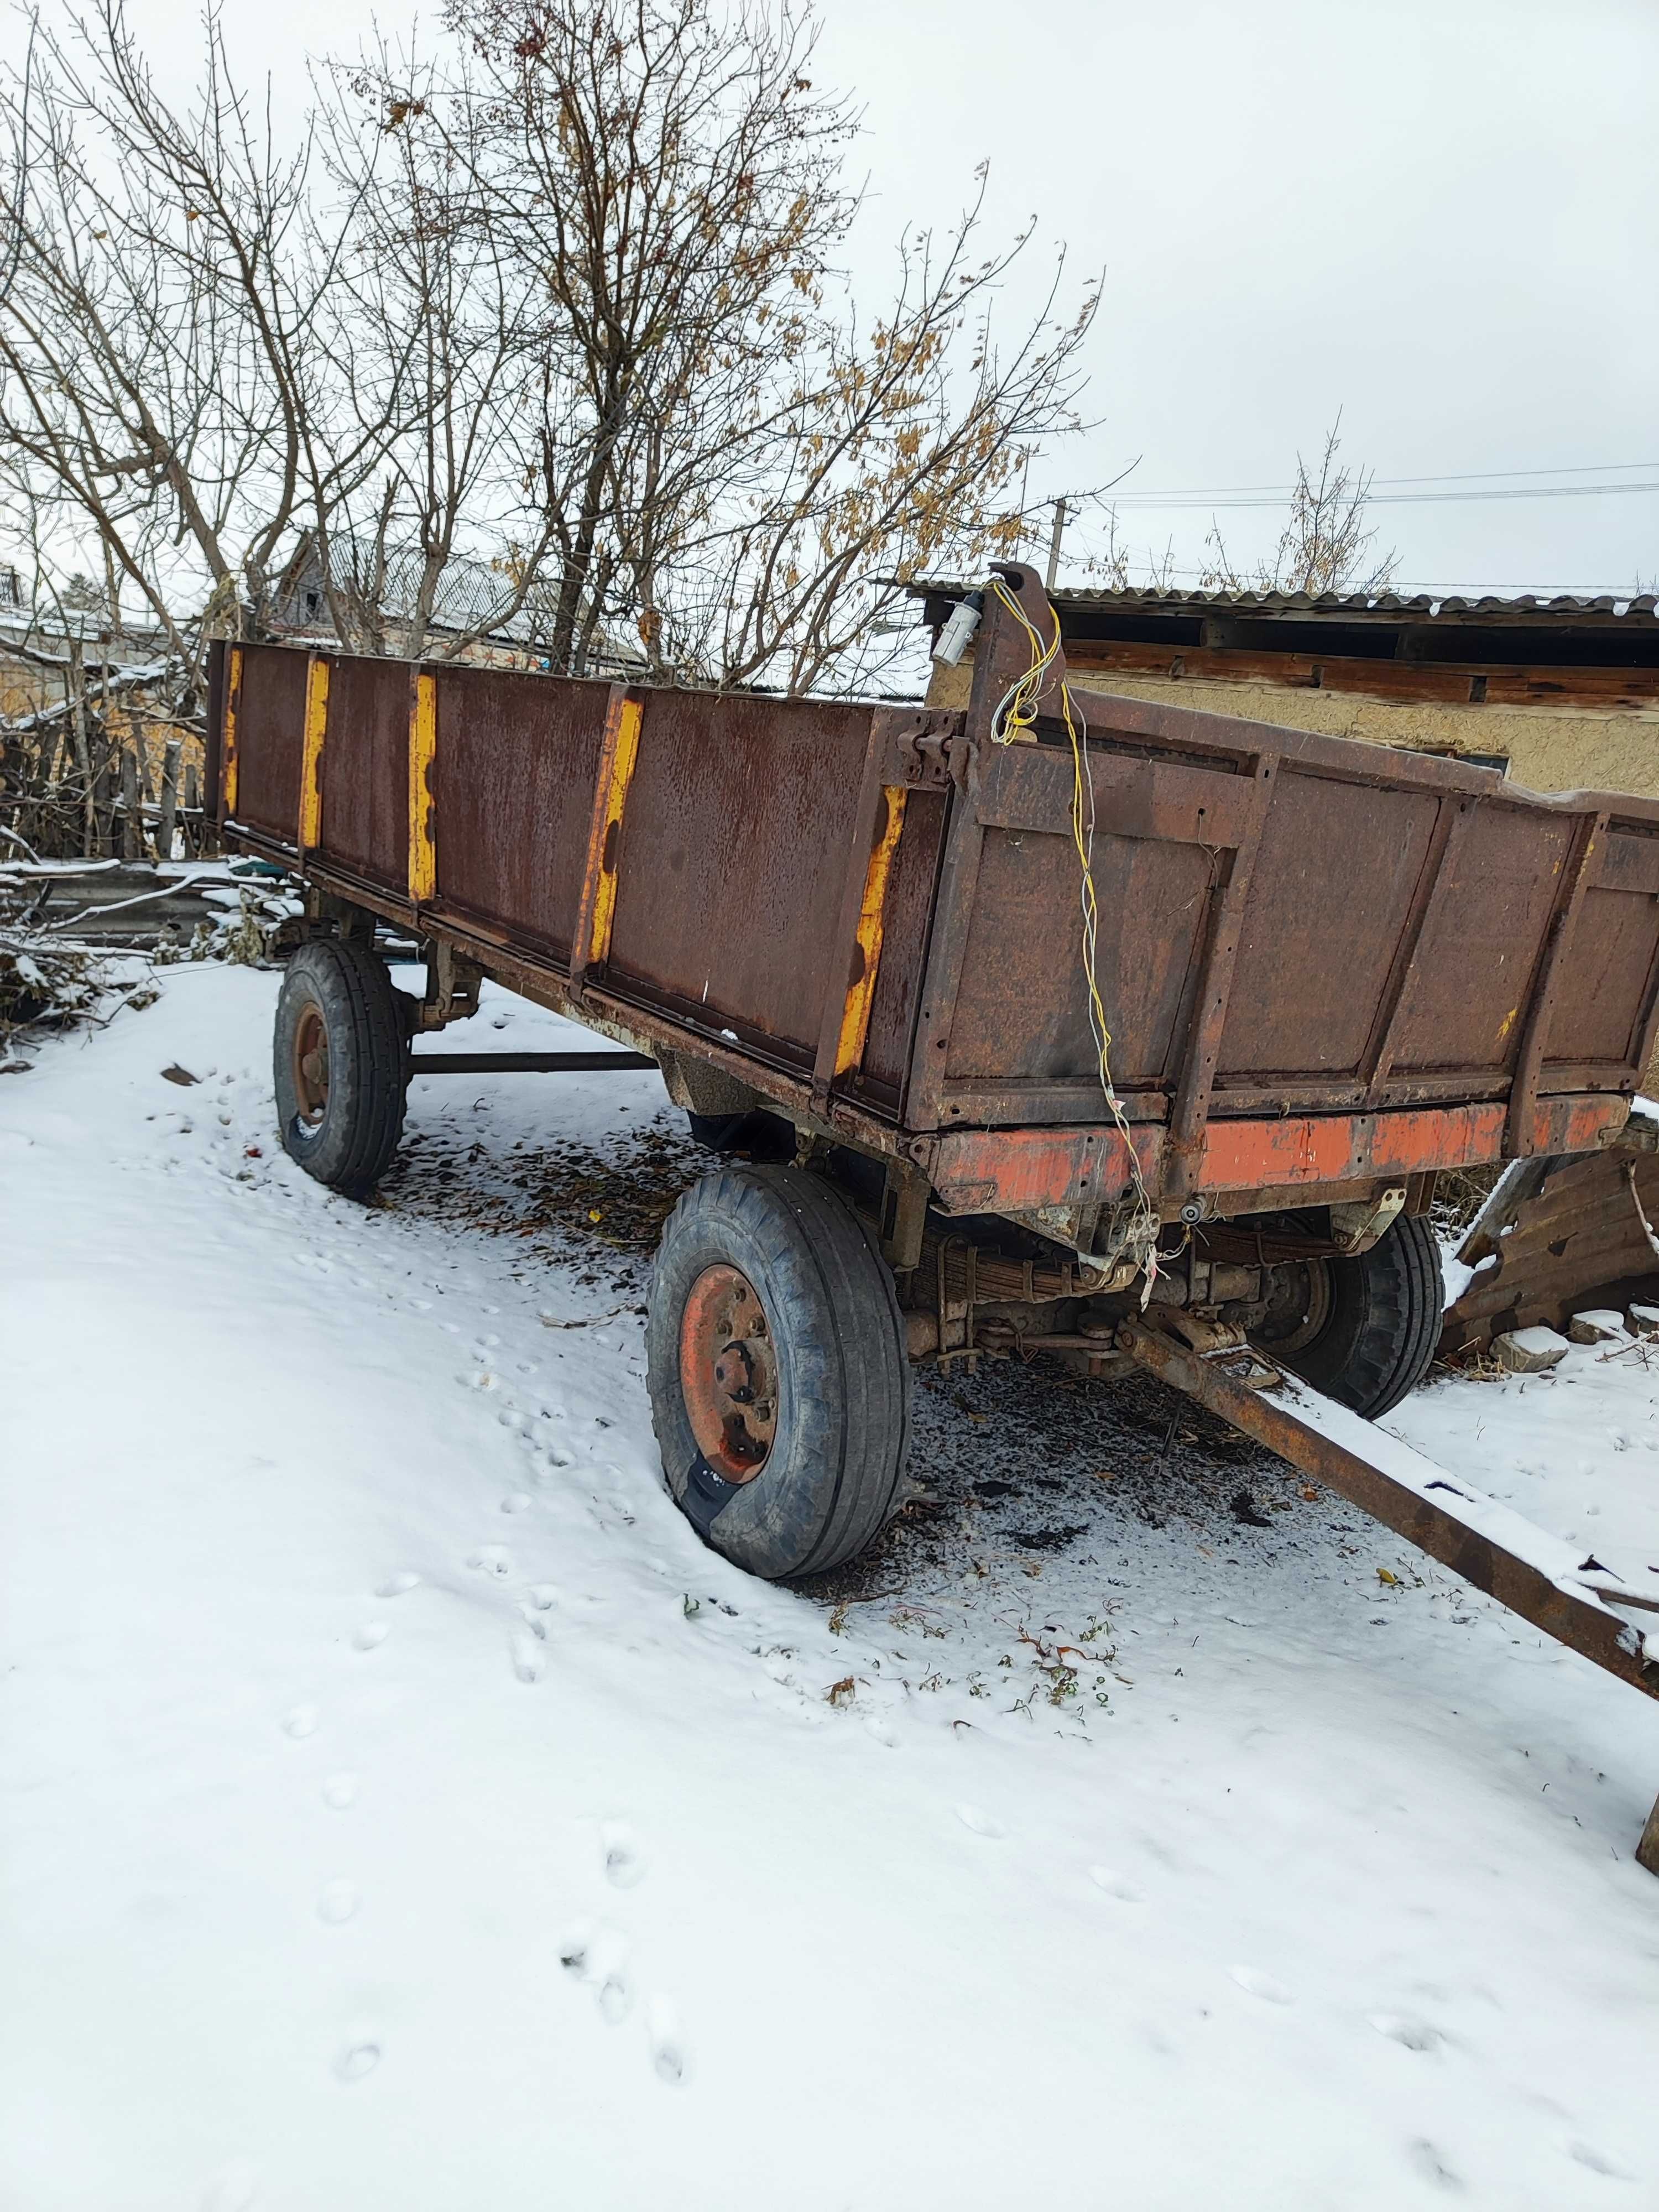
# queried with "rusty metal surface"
point(911, 891)
point(526, 1063)
point(1557, 1235)
point(1575, 1616)
point(213, 788)
point(513, 784)
point(729, 1373)
point(1339, 949)
point(365, 775)
point(733, 859)
point(596, 909)
point(1321, 962)
point(1385, 928)
point(1273, 1161)
point(270, 735)
point(860, 940)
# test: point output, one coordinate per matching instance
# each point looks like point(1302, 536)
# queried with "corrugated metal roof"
point(470, 596)
point(1641, 610)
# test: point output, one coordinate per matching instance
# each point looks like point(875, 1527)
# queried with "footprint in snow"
point(1402, 2028)
point(397, 1585)
point(517, 1501)
point(300, 1721)
point(662, 2028)
point(371, 1635)
point(981, 1823)
point(337, 1901)
point(600, 1959)
point(340, 1791)
point(361, 2056)
point(544, 1597)
point(1258, 1984)
point(1587, 2155)
point(625, 1862)
point(234, 2188)
point(1114, 1886)
point(529, 1657)
point(1432, 2165)
point(490, 1559)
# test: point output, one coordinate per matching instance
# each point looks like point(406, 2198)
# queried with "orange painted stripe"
point(1014, 1170)
point(622, 744)
point(311, 760)
point(227, 736)
point(861, 990)
point(423, 750)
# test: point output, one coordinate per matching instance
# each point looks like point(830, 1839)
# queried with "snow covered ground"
point(402, 1809)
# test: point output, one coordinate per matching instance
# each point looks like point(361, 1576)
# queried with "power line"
point(1225, 502)
point(1484, 476)
point(1624, 590)
point(1459, 476)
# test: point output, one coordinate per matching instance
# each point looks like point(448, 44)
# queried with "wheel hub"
point(1298, 1313)
point(728, 1373)
point(310, 1066)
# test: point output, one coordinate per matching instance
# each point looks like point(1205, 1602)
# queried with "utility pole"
point(1055, 534)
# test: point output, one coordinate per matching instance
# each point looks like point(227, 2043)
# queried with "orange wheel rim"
point(309, 1063)
point(729, 1373)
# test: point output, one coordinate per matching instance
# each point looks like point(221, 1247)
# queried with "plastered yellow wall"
point(1549, 748)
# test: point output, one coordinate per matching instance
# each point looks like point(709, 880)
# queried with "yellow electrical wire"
point(1017, 712)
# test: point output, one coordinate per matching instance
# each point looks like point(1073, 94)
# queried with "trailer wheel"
point(340, 1061)
point(775, 1361)
point(1362, 1330)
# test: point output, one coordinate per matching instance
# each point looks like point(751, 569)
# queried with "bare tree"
point(456, 303)
point(560, 305)
point(731, 455)
point(1327, 544)
point(177, 385)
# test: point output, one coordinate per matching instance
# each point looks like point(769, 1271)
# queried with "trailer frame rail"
point(1486, 1544)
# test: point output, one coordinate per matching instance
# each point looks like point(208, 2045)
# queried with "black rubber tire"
point(367, 1024)
point(832, 1478)
point(1384, 1322)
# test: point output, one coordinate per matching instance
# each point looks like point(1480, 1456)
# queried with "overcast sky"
point(1441, 216)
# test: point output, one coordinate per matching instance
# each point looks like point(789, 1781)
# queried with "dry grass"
point(1459, 1195)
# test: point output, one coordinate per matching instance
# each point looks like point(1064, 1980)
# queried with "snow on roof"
point(1641, 609)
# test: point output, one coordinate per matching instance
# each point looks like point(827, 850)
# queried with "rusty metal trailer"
point(1060, 1023)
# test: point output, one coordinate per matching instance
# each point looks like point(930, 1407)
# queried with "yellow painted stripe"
point(623, 744)
point(311, 764)
point(233, 706)
point(423, 745)
point(860, 990)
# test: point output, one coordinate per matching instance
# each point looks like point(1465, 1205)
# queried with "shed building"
point(1560, 694)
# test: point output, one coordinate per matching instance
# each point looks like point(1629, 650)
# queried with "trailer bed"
point(1327, 965)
